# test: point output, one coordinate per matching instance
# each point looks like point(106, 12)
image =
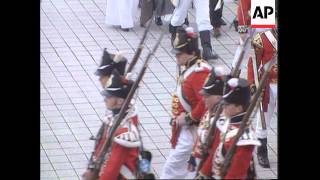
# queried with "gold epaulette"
point(175, 105)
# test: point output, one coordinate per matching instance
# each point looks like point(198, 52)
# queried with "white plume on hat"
point(219, 71)
point(233, 82)
point(118, 56)
point(189, 30)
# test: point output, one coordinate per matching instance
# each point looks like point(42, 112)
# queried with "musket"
point(256, 81)
point(245, 119)
point(107, 145)
point(140, 48)
point(235, 71)
point(209, 139)
point(137, 54)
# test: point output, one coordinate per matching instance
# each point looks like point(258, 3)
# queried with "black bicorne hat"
point(215, 82)
point(186, 41)
point(110, 62)
point(117, 86)
point(238, 92)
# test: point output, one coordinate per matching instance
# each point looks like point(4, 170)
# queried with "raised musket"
point(107, 145)
point(245, 120)
point(140, 48)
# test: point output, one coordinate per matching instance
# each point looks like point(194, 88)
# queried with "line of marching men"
point(200, 89)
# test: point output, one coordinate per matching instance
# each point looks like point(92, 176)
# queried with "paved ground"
point(73, 34)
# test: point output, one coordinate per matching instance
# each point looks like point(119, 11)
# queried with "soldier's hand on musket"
point(253, 89)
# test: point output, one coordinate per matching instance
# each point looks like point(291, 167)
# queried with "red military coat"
point(122, 159)
point(240, 162)
point(264, 51)
point(187, 98)
point(243, 15)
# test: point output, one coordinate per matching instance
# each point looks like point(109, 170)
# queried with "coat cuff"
point(243, 29)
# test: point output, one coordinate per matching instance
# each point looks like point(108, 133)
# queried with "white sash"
point(272, 39)
point(124, 171)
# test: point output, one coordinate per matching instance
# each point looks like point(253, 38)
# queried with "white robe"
point(121, 12)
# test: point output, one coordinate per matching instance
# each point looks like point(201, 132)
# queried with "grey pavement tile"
point(144, 115)
point(47, 133)
point(44, 126)
point(53, 145)
point(62, 166)
point(58, 159)
point(66, 173)
point(48, 139)
point(86, 143)
point(65, 131)
point(51, 113)
point(165, 125)
point(155, 132)
point(80, 137)
point(75, 125)
point(69, 144)
point(155, 108)
point(54, 120)
point(61, 125)
point(54, 152)
point(163, 119)
point(48, 174)
point(44, 160)
point(73, 151)
point(80, 164)
point(145, 120)
point(267, 175)
point(77, 158)
point(159, 113)
point(46, 167)
point(61, 101)
point(163, 145)
point(73, 177)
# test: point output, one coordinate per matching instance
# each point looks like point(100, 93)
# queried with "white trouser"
point(121, 12)
point(246, 48)
point(272, 107)
point(177, 162)
point(202, 14)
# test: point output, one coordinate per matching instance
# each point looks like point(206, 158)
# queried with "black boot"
point(186, 21)
point(222, 22)
point(235, 24)
point(207, 52)
point(158, 21)
point(263, 154)
point(172, 30)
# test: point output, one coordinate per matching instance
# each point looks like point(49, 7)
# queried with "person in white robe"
point(121, 13)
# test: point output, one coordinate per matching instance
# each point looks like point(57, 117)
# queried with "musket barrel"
point(244, 124)
point(123, 109)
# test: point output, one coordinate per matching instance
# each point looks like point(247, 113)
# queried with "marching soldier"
point(202, 19)
point(265, 46)
point(244, 30)
point(188, 106)
point(236, 101)
point(121, 161)
point(212, 92)
point(108, 63)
